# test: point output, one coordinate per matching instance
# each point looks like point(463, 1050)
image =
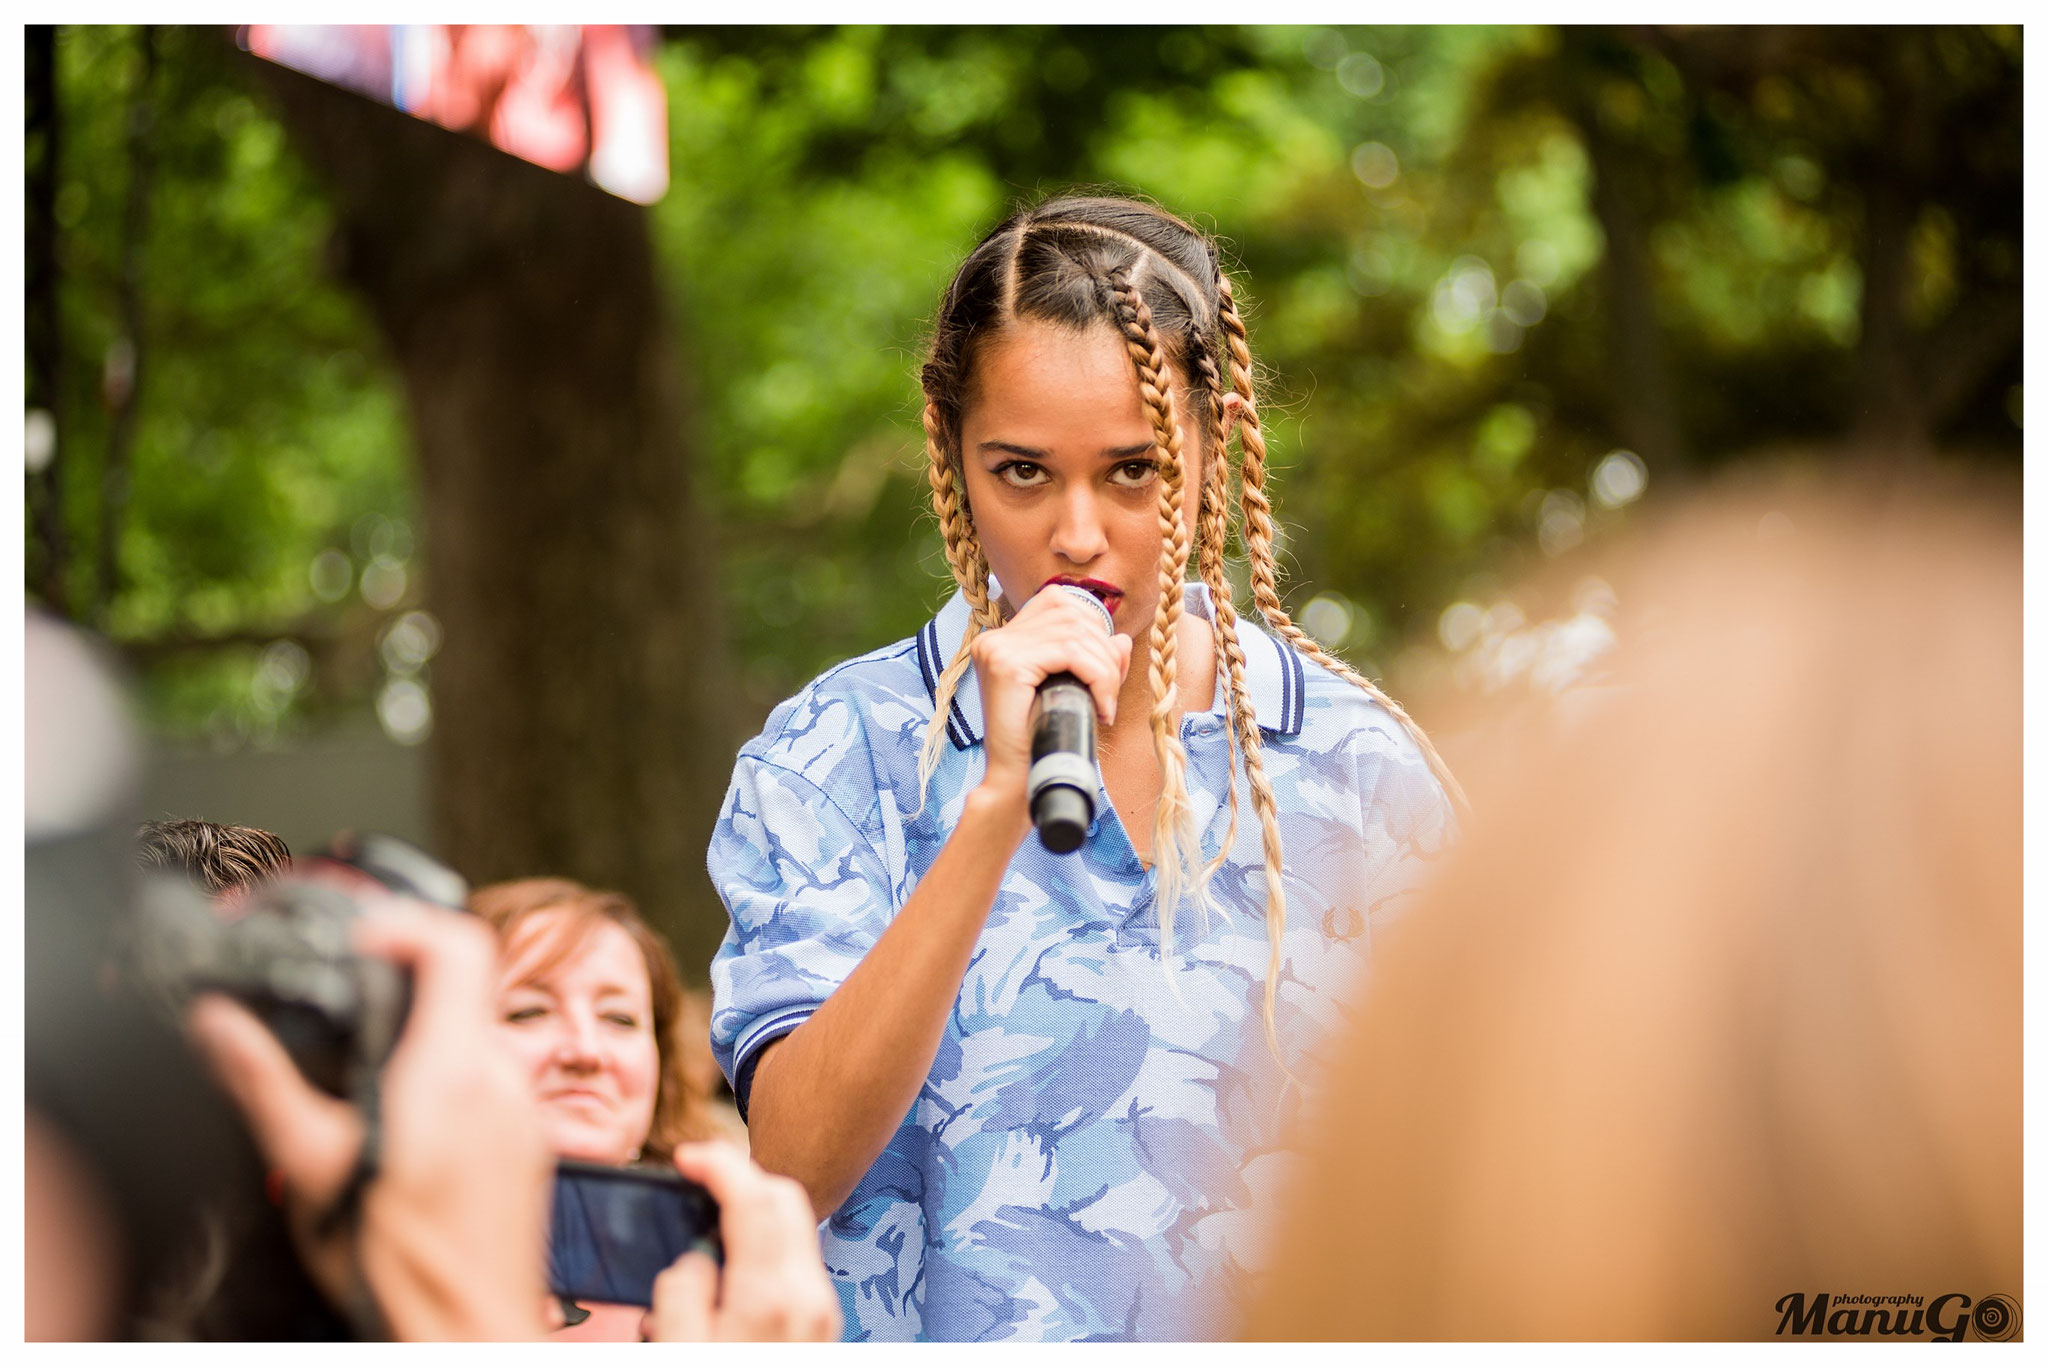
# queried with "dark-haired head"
point(220, 860)
point(1064, 262)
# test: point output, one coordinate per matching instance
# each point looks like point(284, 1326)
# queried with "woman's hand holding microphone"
point(828, 1095)
point(1053, 632)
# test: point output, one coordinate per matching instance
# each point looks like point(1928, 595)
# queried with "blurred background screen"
point(575, 98)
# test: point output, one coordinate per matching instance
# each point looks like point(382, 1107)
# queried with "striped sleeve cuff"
point(746, 1052)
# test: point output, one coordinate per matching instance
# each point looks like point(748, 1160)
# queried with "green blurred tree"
point(187, 349)
point(1502, 281)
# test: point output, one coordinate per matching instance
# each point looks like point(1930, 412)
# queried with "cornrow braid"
point(1176, 850)
point(1258, 539)
point(970, 571)
point(1117, 235)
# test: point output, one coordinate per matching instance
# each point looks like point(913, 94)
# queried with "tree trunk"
point(1893, 412)
point(1890, 414)
point(121, 385)
point(43, 343)
point(1643, 401)
point(580, 726)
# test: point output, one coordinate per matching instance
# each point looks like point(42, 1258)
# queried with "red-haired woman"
point(591, 1005)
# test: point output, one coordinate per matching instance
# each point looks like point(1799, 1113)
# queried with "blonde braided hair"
point(1258, 540)
point(970, 572)
point(1244, 726)
point(1176, 848)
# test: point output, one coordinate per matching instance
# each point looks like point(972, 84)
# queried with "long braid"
point(970, 572)
point(1176, 851)
point(1243, 721)
point(1258, 540)
point(1212, 523)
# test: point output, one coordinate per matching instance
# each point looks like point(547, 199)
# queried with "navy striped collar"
point(1273, 671)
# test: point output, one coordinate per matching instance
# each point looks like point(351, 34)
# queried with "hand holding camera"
point(449, 1238)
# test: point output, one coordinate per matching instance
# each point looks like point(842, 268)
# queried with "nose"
point(578, 1044)
point(1078, 536)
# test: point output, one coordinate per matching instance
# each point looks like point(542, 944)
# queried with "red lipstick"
point(1109, 594)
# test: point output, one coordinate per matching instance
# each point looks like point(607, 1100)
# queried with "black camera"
point(285, 954)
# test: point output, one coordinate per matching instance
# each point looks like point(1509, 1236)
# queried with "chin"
point(578, 1141)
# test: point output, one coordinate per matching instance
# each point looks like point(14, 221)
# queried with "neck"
point(1195, 671)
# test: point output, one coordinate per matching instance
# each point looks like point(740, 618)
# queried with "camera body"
point(286, 954)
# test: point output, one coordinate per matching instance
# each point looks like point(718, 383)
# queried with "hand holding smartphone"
point(615, 1229)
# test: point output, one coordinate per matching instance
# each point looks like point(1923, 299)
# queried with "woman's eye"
point(623, 1021)
point(1133, 473)
point(1020, 474)
point(524, 1013)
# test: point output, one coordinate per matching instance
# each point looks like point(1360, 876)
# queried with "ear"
point(1233, 413)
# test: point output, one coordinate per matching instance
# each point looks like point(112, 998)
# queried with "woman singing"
point(1037, 1096)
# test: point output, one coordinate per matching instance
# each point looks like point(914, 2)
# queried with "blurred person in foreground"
point(123, 1143)
point(223, 861)
point(1720, 1002)
point(137, 1171)
point(590, 1003)
point(235, 1277)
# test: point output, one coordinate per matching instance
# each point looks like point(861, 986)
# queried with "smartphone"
point(613, 1230)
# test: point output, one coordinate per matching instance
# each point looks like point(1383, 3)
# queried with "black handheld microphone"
point(1062, 782)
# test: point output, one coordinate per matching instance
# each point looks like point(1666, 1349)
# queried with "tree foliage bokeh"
point(268, 430)
point(1478, 262)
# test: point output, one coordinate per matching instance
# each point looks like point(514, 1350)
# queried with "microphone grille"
point(1108, 622)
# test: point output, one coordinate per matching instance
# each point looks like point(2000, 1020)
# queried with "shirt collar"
point(1273, 672)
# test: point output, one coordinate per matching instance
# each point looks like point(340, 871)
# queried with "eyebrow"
point(606, 990)
point(1142, 448)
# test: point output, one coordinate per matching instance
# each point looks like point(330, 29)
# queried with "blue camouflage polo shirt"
point(1093, 1153)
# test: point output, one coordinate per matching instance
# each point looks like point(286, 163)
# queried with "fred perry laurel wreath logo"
point(1950, 1316)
